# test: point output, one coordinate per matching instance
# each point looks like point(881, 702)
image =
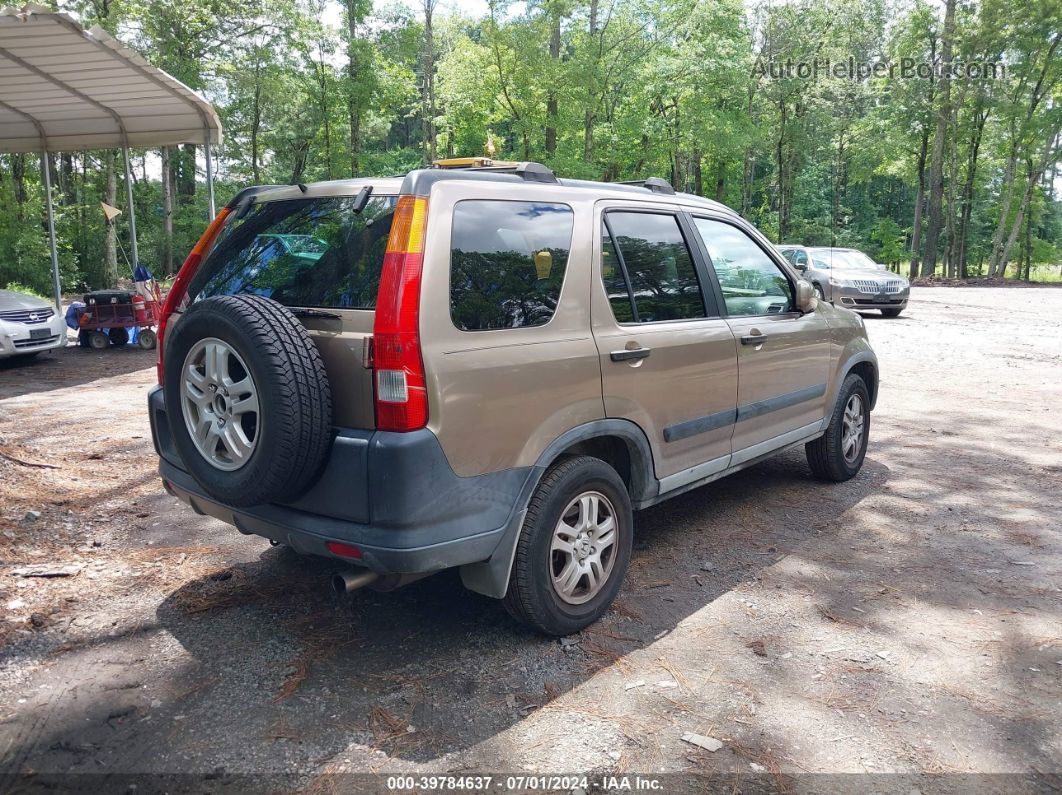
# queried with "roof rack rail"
point(655, 184)
point(532, 172)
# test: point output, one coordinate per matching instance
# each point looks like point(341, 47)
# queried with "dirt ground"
point(906, 622)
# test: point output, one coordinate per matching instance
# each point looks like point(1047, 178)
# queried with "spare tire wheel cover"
point(247, 398)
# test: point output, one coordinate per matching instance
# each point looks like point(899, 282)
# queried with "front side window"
point(655, 278)
point(301, 252)
point(752, 283)
point(507, 262)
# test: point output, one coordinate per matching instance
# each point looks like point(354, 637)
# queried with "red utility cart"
point(117, 311)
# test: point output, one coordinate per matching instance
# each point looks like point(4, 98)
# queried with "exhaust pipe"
point(352, 580)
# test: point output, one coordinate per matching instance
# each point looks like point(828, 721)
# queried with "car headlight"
point(837, 282)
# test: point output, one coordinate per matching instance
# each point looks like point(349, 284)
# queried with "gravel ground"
point(906, 622)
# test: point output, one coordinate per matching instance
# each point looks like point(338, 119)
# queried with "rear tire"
point(891, 312)
point(586, 496)
point(99, 341)
point(288, 432)
point(147, 339)
point(832, 456)
point(119, 336)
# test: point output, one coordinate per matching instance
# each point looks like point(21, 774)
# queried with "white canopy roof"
point(65, 88)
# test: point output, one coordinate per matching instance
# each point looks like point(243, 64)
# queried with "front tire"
point(838, 454)
point(574, 548)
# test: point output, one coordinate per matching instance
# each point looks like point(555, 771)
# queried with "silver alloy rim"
point(852, 428)
point(219, 401)
point(583, 549)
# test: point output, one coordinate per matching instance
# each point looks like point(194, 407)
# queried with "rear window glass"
point(507, 263)
point(302, 252)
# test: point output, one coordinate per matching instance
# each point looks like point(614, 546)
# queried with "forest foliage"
point(934, 175)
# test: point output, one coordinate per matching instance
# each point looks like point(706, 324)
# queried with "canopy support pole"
point(131, 208)
point(209, 173)
point(46, 167)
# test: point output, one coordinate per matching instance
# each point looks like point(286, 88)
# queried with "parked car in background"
point(490, 369)
point(28, 325)
point(847, 277)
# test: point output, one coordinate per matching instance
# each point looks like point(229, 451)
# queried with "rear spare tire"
point(247, 399)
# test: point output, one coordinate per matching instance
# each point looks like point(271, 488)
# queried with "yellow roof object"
point(472, 162)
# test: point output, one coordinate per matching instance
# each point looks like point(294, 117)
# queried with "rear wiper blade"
point(362, 199)
point(315, 313)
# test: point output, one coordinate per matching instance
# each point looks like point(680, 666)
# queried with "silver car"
point(847, 277)
point(28, 325)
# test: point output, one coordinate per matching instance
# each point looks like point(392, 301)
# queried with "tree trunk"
point(110, 253)
point(186, 174)
point(428, 81)
point(18, 182)
point(323, 98)
point(979, 118)
point(588, 118)
point(916, 229)
point(951, 215)
point(1034, 174)
point(167, 213)
point(838, 186)
point(936, 167)
point(780, 162)
point(551, 96)
point(256, 123)
point(1028, 248)
point(353, 100)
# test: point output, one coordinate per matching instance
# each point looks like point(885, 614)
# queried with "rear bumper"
point(392, 495)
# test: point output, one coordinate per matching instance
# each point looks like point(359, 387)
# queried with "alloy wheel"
point(852, 428)
point(219, 401)
point(582, 552)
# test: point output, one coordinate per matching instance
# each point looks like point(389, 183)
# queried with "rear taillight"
point(179, 291)
point(400, 388)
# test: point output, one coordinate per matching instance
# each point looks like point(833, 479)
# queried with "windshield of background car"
point(301, 252)
point(845, 259)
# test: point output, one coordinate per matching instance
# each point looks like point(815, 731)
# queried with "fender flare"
point(865, 354)
point(491, 577)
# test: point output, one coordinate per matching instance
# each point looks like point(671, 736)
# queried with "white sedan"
point(28, 325)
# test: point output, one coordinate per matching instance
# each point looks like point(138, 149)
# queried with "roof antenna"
point(301, 186)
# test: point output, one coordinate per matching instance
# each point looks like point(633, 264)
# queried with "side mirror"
point(801, 266)
point(806, 300)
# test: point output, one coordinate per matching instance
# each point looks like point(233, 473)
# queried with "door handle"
point(754, 339)
point(628, 355)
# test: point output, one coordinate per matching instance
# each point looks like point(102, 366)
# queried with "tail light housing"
point(177, 297)
point(399, 382)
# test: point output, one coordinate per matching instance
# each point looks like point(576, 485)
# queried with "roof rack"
point(532, 172)
point(655, 184)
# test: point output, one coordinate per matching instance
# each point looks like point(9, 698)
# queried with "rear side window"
point(507, 263)
point(647, 269)
point(302, 252)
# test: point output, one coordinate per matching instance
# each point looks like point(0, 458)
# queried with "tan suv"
point(490, 368)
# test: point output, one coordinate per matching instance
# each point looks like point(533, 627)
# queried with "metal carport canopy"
point(64, 89)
